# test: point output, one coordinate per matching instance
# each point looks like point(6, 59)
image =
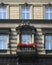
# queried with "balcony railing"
point(26, 50)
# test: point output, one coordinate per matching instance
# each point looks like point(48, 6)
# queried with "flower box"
point(27, 45)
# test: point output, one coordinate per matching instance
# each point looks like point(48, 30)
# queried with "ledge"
point(41, 21)
point(16, 56)
point(44, 56)
point(8, 56)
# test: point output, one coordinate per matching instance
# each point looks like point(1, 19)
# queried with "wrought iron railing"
point(26, 49)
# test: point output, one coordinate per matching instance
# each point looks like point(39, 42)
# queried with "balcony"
point(26, 50)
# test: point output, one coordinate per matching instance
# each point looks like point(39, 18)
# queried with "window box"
point(28, 45)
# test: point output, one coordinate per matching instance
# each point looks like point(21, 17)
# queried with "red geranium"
point(29, 45)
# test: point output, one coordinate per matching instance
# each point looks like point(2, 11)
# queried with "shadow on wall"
point(8, 61)
point(27, 61)
point(37, 61)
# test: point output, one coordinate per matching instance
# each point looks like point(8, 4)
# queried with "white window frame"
point(48, 12)
point(25, 12)
point(2, 11)
point(49, 47)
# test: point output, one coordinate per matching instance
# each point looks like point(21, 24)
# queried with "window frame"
point(26, 34)
point(26, 13)
point(3, 11)
point(47, 34)
point(47, 13)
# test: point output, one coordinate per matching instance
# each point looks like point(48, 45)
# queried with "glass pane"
point(46, 9)
point(27, 16)
point(0, 44)
point(47, 45)
point(47, 37)
point(48, 42)
point(26, 39)
point(3, 37)
point(51, 42)
point(3, 41)
point(23, 15)
point(27, 9)
point(46, 16)
point(4, 15)
point(0, 15)
point(50, 9)
point(4, 9)
point(1, 9)
point(4, 45)
point(23, 9)
point(50, 15)
point(50, 37)
point(51, 45)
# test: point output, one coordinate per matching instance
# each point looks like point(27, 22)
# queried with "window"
point(48, 42)
point(48, 13)
point(3, 42)
point(3, 13)
point(25, 38)
point(25, 13)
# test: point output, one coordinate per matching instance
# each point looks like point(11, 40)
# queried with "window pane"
point(4, 9)
point(26, 39)
point(50, 37)
point(1, 9)
point(27, 9)
point(2, 13)
point(48, 42)
point(47, 45)
point(27, 16)
point(46, 9)
point(51, 45)
point(50, 15)
point(50, 9)
point(0, 44)
point(47, 38)
point(47, 16)
point(3, 42)
point(23, 9)
point(25, 13)
point(4, 45)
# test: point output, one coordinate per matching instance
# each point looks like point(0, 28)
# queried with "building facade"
point(25, 32)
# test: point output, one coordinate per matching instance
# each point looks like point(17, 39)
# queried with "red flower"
point(29, 45)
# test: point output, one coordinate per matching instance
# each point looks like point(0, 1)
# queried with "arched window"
point(26, 33)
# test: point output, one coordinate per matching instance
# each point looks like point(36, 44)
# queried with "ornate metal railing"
point(26, 49)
